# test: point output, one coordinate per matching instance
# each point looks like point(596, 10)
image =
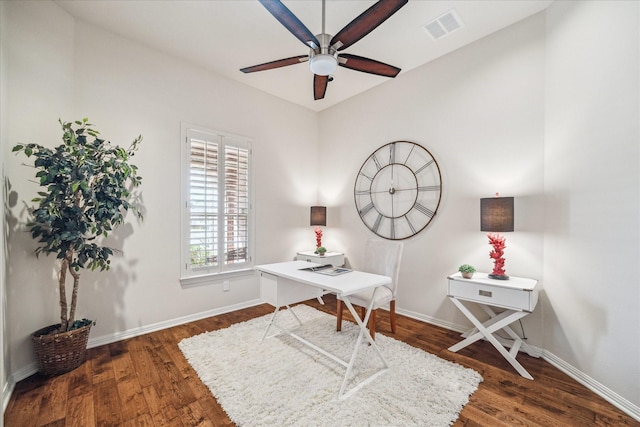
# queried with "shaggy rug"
point(281, 382)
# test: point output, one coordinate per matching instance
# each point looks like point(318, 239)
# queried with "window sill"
point(210, 279)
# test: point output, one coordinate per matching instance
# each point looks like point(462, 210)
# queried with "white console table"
point(334, 258)
point(517, 296)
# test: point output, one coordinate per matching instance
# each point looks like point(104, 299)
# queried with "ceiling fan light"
point(323, 64)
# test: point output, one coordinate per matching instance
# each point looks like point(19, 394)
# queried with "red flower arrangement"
point(318, 231)
point(497, 254)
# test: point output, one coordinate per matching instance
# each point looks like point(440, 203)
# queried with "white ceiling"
point(226, 35)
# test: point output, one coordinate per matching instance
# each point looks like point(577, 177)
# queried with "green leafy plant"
point(321, 250)
point(466, 268)
point(87, 185)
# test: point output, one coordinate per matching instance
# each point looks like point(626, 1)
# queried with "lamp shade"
point(318, 215)
point(496, 214)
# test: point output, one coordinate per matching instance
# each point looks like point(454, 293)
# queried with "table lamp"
point(496, 216)
point(318, 218)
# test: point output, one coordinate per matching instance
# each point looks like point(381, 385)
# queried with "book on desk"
point(327, 269)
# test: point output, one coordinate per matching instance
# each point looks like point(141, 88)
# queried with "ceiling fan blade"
point(319, 86)
point(366, 22)
point(275, 64)
point(367, 65)
point(291, 22)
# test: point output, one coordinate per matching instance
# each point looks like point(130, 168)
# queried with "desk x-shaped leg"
point(486, 330)
point(364, 333)
point(362, 324)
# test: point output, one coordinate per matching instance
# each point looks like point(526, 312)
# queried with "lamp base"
point(497, 277)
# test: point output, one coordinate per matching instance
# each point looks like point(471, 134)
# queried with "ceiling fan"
point(323, 56)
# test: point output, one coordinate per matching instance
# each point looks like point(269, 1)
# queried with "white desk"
point(517, 296)
point(285, 283)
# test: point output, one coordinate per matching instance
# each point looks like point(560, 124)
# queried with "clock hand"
point(393, 190)
point(383, 191)
point(396, 190)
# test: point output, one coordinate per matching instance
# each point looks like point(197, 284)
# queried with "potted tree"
point(86, 192)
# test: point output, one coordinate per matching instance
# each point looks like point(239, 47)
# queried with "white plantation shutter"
point(236, 203)
point(203, 198)
point(218, 203)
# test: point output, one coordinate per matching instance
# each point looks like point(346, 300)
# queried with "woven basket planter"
point(62, 352)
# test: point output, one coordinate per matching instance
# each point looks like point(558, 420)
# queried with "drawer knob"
point(484, 293)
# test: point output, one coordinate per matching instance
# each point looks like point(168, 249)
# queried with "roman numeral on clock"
point(376, 225)
point(365, 176)
point(429, 188)
point(392, 153)
point(392, 233)
point(426, 165)
point(425, 210)
point(365, 210)
point(376, 161)
point(411, 227)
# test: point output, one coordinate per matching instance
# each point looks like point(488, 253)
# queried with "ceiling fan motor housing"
point(323, 60)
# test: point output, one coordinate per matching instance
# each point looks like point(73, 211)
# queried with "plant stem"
point(74, 294)
point(63, 295)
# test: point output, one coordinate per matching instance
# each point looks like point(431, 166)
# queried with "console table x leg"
point(486, 330)
point(517, 341)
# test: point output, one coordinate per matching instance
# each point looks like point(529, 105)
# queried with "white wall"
point(4, 350)
point(61, 68)
point(479, 111)
point(592, 189)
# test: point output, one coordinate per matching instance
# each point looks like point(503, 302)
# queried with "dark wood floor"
point(145, 381)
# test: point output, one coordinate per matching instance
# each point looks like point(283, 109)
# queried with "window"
point(217, 214)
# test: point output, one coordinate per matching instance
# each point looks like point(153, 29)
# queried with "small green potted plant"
point(321, 250)
point(467, 270)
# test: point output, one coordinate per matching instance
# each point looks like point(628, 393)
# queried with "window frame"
point(204, 275)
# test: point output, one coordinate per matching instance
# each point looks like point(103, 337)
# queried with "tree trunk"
point(63, 294)
point(74, 295)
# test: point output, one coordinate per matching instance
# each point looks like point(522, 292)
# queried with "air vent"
point(444, 25)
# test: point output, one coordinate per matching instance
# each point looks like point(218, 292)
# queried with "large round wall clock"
point(398, 189)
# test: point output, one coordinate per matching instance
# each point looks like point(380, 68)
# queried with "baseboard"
point(609, 395)
point(119, 336)
point(593, 385)
point(32, 368)
point(6, 394)
point(432, 320)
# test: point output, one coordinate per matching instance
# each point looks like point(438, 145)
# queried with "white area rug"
point(281, 382)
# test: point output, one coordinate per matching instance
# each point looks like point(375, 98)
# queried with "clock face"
point(397, 190)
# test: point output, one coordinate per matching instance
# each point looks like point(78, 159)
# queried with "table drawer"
point(497, 296)
point(334, 258)
point(280, 291)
